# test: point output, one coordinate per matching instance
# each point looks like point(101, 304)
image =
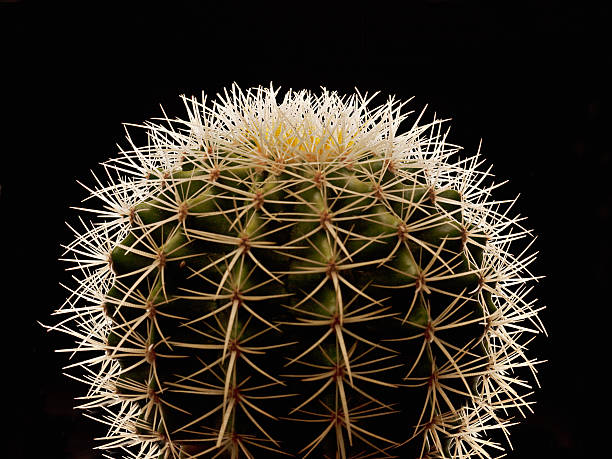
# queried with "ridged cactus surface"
point(300, 279)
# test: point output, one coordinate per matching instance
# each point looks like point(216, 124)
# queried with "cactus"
point(300, 279)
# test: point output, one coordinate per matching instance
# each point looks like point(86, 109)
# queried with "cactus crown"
point(299, 278)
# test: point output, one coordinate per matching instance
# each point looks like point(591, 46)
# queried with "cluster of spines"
point(306, 236)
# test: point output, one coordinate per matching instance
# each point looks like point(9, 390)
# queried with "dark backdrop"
point(528, 78)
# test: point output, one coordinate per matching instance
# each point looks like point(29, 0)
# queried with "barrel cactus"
point(299, 278)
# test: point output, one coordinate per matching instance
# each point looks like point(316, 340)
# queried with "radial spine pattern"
point(300, 279)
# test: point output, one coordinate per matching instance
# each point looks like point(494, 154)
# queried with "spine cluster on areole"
point(300, 279)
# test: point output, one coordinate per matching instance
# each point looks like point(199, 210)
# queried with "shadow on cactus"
point(300, 279)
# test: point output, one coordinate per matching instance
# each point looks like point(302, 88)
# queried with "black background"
point(528, 78)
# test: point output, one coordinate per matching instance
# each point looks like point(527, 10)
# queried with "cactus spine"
point(300, 279)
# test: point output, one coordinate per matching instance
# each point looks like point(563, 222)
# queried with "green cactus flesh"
point(243, 291)
point(347, 307)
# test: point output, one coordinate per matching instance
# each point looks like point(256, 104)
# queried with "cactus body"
point(300, 279)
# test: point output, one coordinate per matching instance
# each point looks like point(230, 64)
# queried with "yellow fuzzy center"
point(288, 143)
